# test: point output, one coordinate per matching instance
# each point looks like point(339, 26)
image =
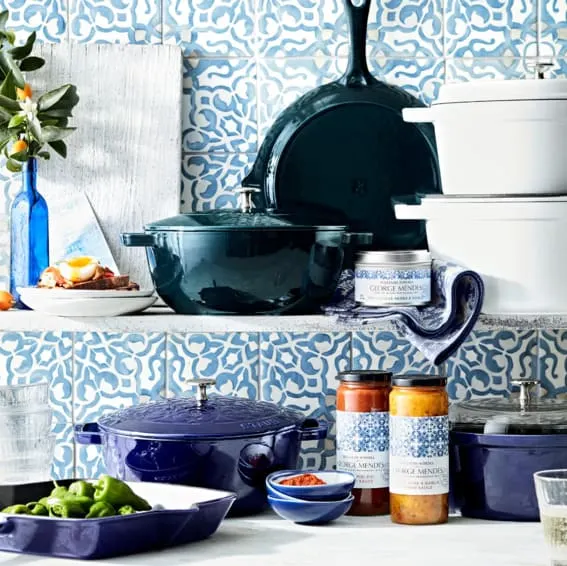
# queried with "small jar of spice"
point(363, 437)
point(419, 450)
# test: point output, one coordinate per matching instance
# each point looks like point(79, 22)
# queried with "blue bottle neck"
point(29, 176)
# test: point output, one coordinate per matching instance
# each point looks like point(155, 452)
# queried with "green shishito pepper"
point(38, 509)
point(82, 489)
point(69, 506)
point(126, 510)
point(101, 509)
point(59, 491)
point(16, 510)
point(118, 494)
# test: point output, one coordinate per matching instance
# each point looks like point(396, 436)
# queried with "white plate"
point(71, 307)
point(66, 294)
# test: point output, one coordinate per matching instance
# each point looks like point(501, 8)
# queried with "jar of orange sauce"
point(363, 437)
point(419, 450)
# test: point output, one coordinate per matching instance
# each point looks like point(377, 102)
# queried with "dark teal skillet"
point(344, 150)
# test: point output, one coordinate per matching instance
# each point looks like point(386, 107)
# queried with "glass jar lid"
point(200, 418)
point(522, 413)
point(394, 257)
point(417, 380)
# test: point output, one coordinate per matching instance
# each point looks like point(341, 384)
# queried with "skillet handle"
point(357, 74)
point(133, 240)
point(418, 115)
point(88, 433)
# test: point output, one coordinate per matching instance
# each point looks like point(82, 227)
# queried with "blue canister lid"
point(199, 419)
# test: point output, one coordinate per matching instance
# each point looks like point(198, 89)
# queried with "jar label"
point(376, 286)
point(419, 455)
point(362, 447)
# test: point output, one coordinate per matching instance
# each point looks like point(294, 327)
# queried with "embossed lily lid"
point(518, 414)
point(200, 418)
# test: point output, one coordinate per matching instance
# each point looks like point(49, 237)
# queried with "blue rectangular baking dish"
point(180, 515)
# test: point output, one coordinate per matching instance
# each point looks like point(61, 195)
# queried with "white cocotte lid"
point(507, 90)
point(459, 208)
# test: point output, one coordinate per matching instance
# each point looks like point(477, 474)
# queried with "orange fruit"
point(6, 301)
point(18, 146)
point(23, 93)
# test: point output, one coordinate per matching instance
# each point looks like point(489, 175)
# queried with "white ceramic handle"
point(408, 211)
point(418, 115)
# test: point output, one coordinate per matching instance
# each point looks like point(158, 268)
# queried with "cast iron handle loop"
point(526, 387)
point(202, 384)
point(245, 198)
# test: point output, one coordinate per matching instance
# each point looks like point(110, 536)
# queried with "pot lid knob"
point(526, 389)
point(245, 198)
point(202, 385)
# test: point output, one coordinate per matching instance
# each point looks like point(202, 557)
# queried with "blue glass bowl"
point(338, 485)
point(310, 512)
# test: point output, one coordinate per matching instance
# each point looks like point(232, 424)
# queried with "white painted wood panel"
point(126, 152)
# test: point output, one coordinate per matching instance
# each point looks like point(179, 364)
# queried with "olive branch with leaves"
point(27, 127)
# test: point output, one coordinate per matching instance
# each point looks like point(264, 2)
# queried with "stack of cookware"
point(503, 213)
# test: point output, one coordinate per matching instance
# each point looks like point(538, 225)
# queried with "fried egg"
point(78, 269)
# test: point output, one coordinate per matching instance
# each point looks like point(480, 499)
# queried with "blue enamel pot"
point(224, 443)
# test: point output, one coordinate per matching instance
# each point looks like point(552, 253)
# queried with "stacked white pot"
point(503, 161)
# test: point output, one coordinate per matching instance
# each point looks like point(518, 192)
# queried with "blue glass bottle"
point(29, 233)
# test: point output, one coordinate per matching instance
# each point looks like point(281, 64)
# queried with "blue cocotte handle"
point(88, 433)
point(311, 429)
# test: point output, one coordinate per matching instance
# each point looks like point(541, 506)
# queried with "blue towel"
point(436, 329)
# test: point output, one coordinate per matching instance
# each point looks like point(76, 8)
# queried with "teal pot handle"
point(312, 429)
point(138, 240)
point(88, 433)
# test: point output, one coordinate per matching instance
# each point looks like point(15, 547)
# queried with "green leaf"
point(13, 166)
point(22, 51)
point(68, 101)
point(8, 64)
point(4, 15)
point(45, 154)
point(31, 64)
point(10, 36)
point(53, 133)
point(8, 86)
point(55, 113)
point(51, 98)
point(59, 147)
point(17, 120)
point(9, 104)
point(5, 115)
point(36, 132)
point(21, 156)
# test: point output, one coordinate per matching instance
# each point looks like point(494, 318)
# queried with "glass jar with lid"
point(419, 450)
point(363, 437)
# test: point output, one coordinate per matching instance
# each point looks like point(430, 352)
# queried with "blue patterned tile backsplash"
point(245, 61)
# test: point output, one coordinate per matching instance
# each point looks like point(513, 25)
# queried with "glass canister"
point(419, 450)
point(363, 437)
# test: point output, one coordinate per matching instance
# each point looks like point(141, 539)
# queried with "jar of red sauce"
point(363, 437)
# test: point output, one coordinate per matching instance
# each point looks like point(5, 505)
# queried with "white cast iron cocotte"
point(500, 137)
point(517, 245)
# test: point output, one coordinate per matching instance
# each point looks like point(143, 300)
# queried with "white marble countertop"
point(162, 319)
point(351, 541)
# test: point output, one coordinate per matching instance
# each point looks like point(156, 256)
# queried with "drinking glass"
point(551, 490)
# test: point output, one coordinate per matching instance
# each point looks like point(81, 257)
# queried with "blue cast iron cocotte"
point(246, 261)
point(343, 150)
point(496, 445)
point(224, 443)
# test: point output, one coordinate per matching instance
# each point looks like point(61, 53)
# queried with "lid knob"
point(526, 387)
point(202, 384)
point(245, 198)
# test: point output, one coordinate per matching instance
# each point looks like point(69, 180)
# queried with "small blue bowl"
point(310, 512)
point(337, 487)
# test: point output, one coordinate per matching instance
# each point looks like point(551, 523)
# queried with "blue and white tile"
point(388, 351)
point(89, 461)
point(63, 464)
point(299, 371)
point(554, 28)
point(463, 70)
point(231, 358)
point(117, 21)
point(36, 356)
point(412, 28)
point(552, 361)
point(209, 180)
point(283, 81)
point(489, 360)
point(222, 28)
point(219, 100)
point(116, 370)
point(48, 18)
point(489, 29)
